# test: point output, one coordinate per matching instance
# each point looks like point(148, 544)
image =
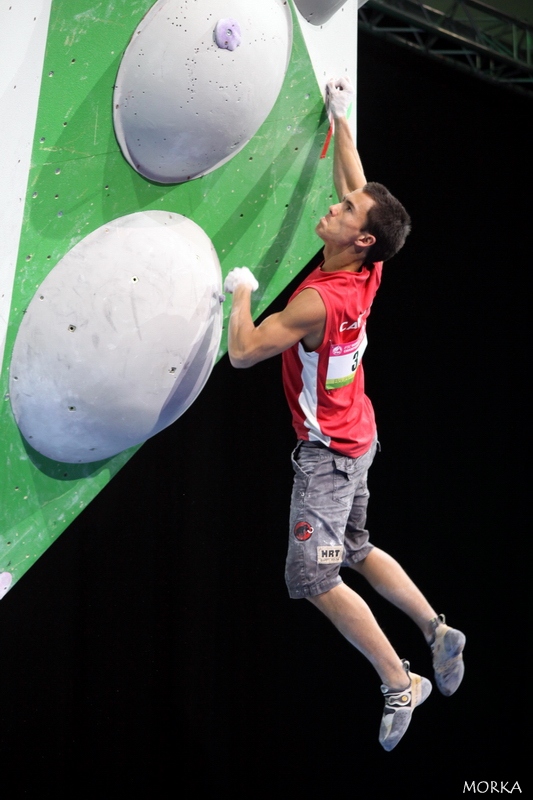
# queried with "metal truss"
point(470, 35)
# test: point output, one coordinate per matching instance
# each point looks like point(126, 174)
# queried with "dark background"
point(155, 643)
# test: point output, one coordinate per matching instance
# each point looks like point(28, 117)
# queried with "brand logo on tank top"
point(348, 326)
point(345, 326)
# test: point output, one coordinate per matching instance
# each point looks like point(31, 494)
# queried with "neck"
point(348, 260)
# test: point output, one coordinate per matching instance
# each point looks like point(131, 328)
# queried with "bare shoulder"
point(307, 308)
point(308, 313)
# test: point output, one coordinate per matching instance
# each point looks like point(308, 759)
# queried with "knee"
point(320, 599)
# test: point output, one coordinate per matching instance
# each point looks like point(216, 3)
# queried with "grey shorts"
point(328, 516)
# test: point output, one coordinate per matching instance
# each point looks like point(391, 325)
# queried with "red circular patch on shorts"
point(303, 531)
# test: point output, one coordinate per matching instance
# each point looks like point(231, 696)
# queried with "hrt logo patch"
point(329, 555)
point(303, 531)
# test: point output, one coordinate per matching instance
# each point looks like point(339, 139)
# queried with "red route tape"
point(328, 140)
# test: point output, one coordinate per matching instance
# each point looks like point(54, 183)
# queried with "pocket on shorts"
point(343, 479)
point(305, 459)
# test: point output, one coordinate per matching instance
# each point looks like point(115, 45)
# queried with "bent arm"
point(348, 172)
point(302, 319)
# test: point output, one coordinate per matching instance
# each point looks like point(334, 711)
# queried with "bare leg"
point(390, 580)
point(354, 619)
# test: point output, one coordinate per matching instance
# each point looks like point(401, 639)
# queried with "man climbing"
point(322, 337)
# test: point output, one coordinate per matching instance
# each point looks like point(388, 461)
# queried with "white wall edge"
point(23, 34)
point(333, 49)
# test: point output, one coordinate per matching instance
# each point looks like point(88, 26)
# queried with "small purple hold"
point(228, 33)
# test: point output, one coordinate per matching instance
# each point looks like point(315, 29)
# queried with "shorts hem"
point(360, 555)
point(314, 590)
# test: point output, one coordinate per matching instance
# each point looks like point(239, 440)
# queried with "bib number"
point(343, 362)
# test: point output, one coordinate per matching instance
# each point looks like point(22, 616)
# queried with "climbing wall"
point(107, 167)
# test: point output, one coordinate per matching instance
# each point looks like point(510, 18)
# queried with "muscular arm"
point(303, 319)
point(348, 172)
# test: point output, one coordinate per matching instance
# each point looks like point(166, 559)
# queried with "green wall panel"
point(259, 209)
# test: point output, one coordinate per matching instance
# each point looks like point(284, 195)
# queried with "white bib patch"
point(344, 360)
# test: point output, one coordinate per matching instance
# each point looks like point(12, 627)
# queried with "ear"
point(364, 240)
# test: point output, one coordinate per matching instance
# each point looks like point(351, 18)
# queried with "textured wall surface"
point(258, 209)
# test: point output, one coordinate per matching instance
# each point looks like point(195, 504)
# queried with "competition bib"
point(344, 360)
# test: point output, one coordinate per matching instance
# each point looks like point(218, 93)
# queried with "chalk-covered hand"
point(339, 95)
point(240, 276)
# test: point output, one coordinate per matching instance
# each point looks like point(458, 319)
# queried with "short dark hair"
point(388, 221)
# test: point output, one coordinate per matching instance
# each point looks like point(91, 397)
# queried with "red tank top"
point(325, 388)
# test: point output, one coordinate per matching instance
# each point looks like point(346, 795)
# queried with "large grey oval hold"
point(119, 339)
point(317, 12)
point(183, 105)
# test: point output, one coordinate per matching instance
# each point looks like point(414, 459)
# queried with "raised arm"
point(348, 172)
point(303, 318)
